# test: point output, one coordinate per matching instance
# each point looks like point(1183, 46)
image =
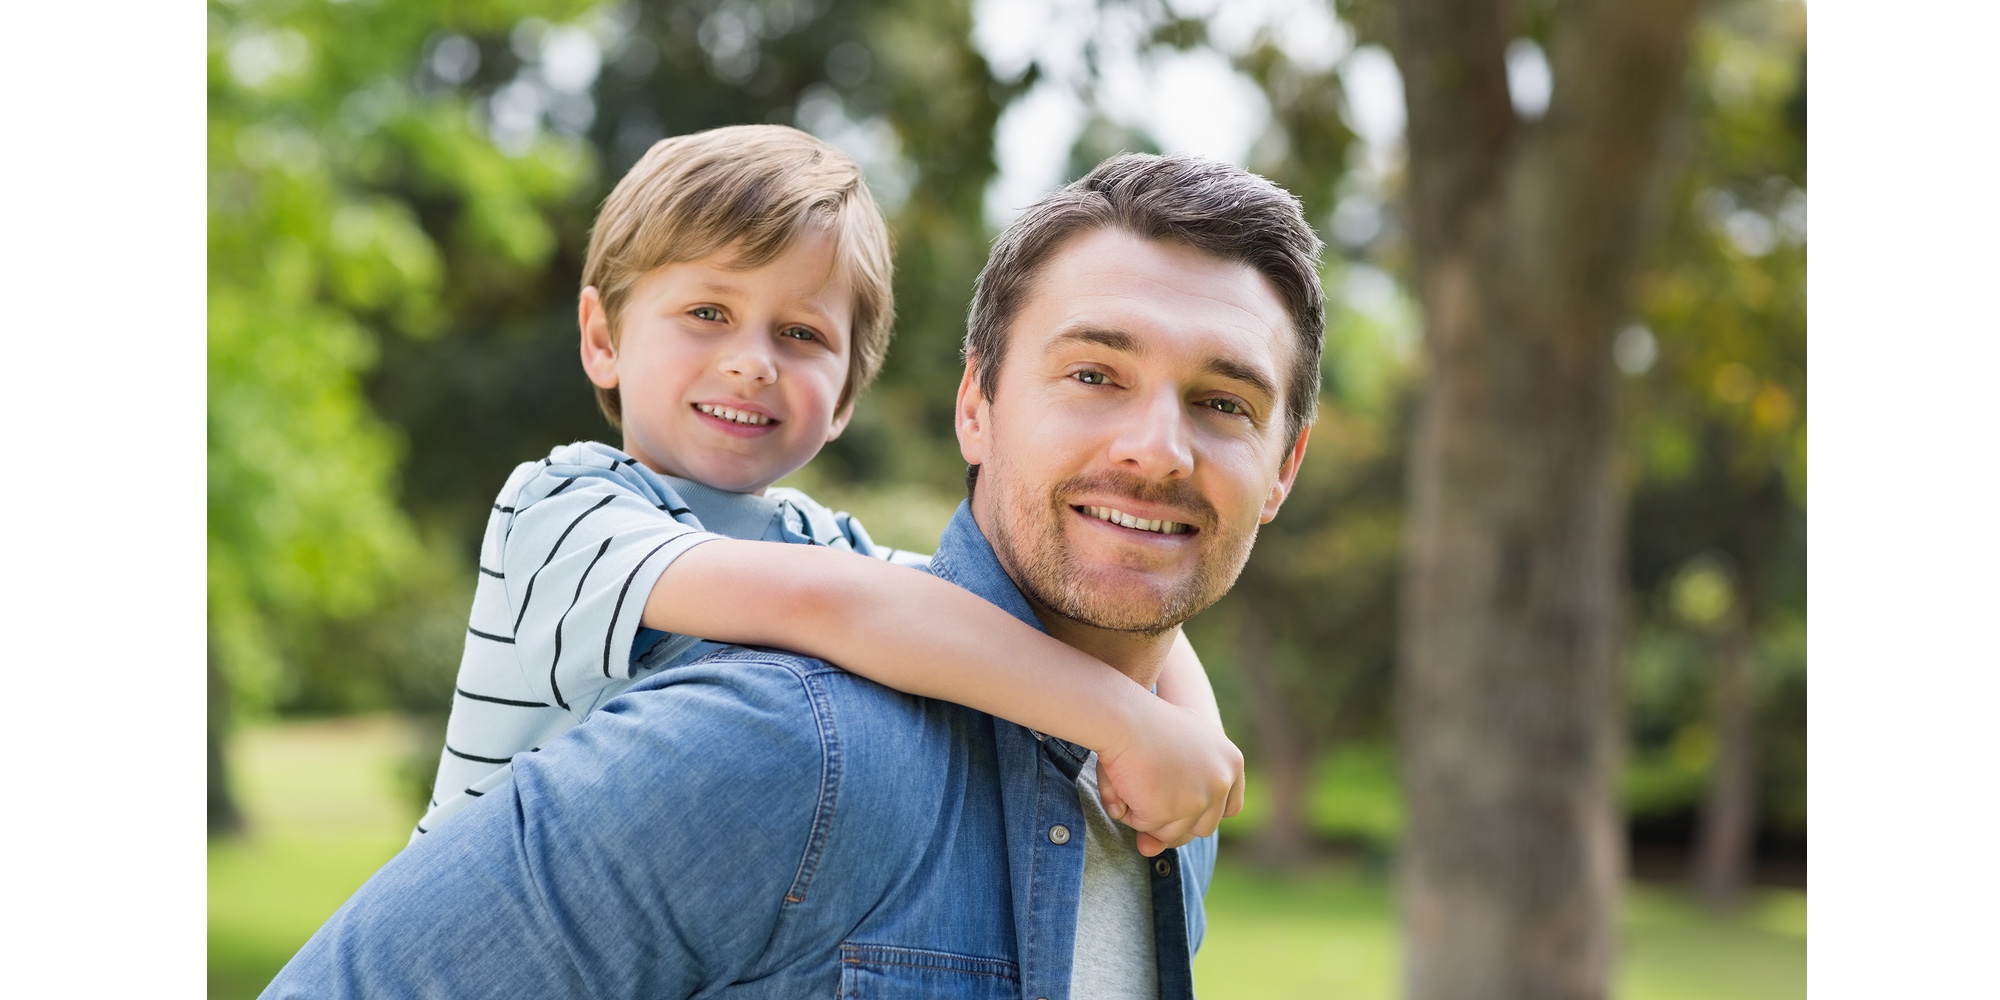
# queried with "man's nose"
point(748, 356)
point(1153, 438)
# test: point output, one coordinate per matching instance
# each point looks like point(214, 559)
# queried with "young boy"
point(736, 299)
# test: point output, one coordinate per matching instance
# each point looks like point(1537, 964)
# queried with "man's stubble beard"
point(1047, 571)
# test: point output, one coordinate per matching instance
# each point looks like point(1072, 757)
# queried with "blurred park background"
point(399, 197)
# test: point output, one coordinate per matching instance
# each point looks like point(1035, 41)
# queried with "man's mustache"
point(1178, 494)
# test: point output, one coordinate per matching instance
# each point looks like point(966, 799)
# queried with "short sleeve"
point(587, 542)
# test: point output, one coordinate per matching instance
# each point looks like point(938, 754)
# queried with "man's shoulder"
point(763, 707)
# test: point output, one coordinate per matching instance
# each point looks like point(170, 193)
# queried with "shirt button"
point(1162, 867)
point(1058, 834)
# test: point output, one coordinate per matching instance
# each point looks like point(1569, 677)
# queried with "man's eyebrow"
point(1117, 340)
point(1230, 368)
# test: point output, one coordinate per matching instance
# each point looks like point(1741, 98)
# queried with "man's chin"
point(1116, 602)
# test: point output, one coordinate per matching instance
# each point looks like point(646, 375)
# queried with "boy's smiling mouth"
point(742, 417)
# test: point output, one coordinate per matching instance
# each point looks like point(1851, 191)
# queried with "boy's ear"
point(840, 419)
point(970, 417)
point(600, 355)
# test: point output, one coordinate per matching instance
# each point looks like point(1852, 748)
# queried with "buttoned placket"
point(1058, 855)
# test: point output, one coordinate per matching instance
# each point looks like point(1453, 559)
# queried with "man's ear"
point(1288, 473)
point(600, 355)
point(971, 416)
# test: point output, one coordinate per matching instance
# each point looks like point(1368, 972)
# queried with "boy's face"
point(728, 377)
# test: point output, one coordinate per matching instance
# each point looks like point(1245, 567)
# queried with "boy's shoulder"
point(593, 464)
point(821, 525)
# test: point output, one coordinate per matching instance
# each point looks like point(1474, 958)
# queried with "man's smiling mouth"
point(1119, 517)
point(733, 416)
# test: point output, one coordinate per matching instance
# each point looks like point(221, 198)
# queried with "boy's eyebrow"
point(1120, 340)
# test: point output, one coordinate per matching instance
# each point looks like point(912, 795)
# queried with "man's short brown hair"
point(1210, 206)
point(747, 191)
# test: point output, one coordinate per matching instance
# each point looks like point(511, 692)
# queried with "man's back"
point(755, 824)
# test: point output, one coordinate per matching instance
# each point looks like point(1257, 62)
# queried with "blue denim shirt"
point(756, 824)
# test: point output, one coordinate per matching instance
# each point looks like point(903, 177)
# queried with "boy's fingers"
point(1207, 824)
point(1107, 793)
point(1235, 798)
point(1150, 845)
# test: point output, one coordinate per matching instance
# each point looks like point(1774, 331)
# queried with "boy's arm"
point(1182, 682)
point(1174, 769)
point(1185, 683)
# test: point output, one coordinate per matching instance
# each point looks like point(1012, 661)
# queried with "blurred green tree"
point(320, 126)
point(1717, 430)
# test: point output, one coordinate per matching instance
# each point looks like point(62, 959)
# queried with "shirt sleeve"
point(585, 548)
point(588, 875)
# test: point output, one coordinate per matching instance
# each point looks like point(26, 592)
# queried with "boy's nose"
point(750, 358)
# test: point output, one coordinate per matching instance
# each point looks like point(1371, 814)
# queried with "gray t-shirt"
point(1114, 957)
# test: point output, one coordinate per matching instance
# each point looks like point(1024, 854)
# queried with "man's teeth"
point(1120, 517)
point(734, 416)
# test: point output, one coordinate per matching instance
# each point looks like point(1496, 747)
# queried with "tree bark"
point(1525, 240)
point(223, 815)
point(1725, 838)
point(1283, 749)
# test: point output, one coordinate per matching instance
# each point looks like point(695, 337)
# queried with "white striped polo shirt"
point(572, 549)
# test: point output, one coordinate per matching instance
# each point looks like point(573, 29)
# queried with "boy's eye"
point(1229, 406)
point(709, 313)
point(798, 333)
point(1090, 377)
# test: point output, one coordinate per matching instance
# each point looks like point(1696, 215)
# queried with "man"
point(1142, 362)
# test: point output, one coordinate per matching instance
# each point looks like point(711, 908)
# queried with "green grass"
point(1330, 933)
point(326, 811)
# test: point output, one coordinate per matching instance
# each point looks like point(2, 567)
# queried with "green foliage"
point(1717, 423)
point(343, 188)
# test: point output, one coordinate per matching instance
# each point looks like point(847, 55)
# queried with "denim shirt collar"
point(966, 558)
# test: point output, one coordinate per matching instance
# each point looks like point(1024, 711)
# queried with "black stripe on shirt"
point(503, 510)
point(448, 748)
point(565, 485)
point(612, 631)
point(463, 693)
point(489, 635)
point(529, 595)
point(494, 573)
point(673, 511)
point(475, 793)
point(556, 661)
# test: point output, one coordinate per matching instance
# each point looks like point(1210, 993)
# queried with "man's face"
point(1136, 435)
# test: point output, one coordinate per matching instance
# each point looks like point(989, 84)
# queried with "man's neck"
point(1136, 655)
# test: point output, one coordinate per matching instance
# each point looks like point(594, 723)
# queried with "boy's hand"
point(1176, 779)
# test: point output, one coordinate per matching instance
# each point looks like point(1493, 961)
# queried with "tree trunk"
point(1283, 750)
point(1509, 722)
point(223, 816)
point(1723, 845)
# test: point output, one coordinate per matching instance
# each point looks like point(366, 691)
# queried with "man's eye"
point(1229, 406)
point(1091, 377)
point(709, 313)
point(798, 333)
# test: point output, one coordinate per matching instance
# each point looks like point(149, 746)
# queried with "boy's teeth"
point(734, 416)
point(1142, 524)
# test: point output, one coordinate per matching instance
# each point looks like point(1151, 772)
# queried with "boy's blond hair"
point(748, 190)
